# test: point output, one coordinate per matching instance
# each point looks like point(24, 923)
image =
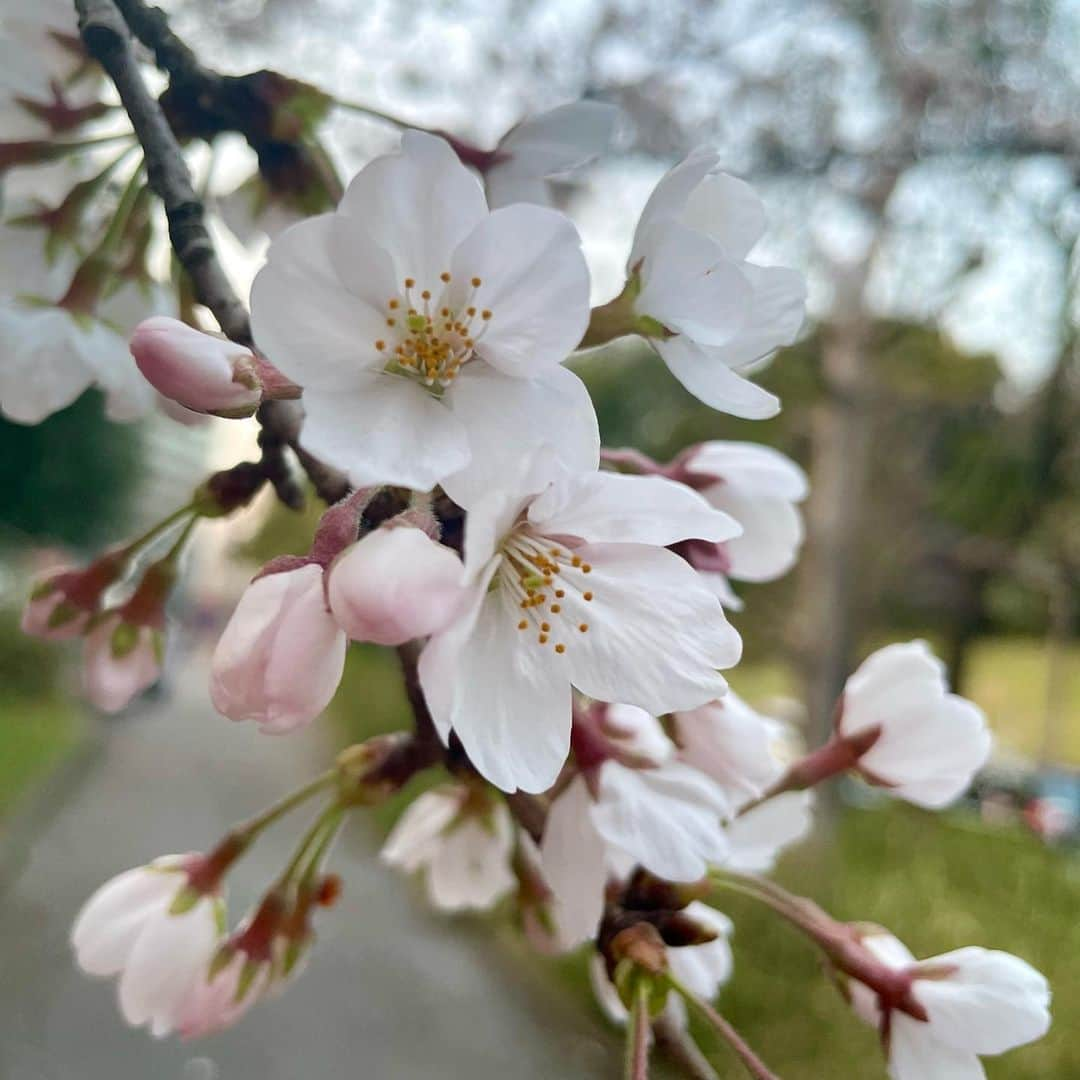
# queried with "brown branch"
point(106, 37)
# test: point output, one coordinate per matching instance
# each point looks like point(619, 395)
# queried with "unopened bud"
point(203, 373)
point(394, 585)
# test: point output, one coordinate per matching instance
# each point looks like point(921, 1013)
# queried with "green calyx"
point(632, 981)
point(123, 641)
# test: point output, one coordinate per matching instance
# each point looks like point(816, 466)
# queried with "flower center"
point(542, 577)
point(429, 337)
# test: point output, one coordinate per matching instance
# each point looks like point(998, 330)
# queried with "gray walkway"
point(391, 991)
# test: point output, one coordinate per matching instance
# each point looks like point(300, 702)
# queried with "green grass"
point(35, 736)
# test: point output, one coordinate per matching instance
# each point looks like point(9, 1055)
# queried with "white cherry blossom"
point(571, 585)
point(129, 928)
point(427, 332)
point(930, 742)
point(544, 146)
point(709, 313)
point(760, 488)
point(978, 1002)
point(462, 841)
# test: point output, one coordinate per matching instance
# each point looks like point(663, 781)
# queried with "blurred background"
point(920, 163)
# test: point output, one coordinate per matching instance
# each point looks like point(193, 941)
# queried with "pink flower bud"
point(203, 373)
point(120, 660)
point(394, 585)
point(280, 659)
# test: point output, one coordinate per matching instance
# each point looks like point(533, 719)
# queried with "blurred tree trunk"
point(841, 430)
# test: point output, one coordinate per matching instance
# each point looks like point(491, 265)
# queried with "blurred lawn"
point(938, 881)
point(36, 736)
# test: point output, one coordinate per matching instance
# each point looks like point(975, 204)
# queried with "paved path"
point(392, 991)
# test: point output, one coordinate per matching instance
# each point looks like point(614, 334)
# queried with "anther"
point(476, 283)
point(583, 627)
point(560, 648)
point(409, 282)
point(523, 625)
point(545, 627)
point(586, 596)
point(556, 608)
point(380, 345)
point(394, 305)
point(586, 568)
point(444, 277)
point(485, 314)
point(426, 294)
point(543, 639)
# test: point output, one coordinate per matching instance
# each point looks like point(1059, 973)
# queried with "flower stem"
point(311, 839)
point(122, 214)
point(637, 1036)
point(155, 531)
point(754, 1065)
point(253, 826)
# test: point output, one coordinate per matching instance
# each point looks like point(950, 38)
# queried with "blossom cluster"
point(560, 608)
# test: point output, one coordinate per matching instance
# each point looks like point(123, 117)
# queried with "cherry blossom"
point(281, 656)
point(544, 146)
point(219, 1000)
point(427, 332)
point(120, 660)
point(149, 928)
point(760, 488)
point(395, 584)
point(708, 312)
point(978, 1002)
point(929, 743)
point(462, 841)
point(570, 585)
point(202, 372)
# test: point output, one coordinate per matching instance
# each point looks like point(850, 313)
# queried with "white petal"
point(607, 507)
point(471, 868)
point(727, 210)
point(109, 923)
point(502, 189)
point(303, 316)
point(750, 469)
point(670, 195)
point(758, 837)
point(915, 1055)
point(730, 742)
point(535, 282)
point(508, 419)
point(775, 317)
point(171, 953)
point(386, 430)
point(510, 704)
point(418, 205)
point(573, 859)
point(992, 1002)
point(706, 375)
point(416, 835)
point(691, 287)
point(666, 818)
point(703, 969)
point(772, 533)
point(558, 140)
point(656, 636)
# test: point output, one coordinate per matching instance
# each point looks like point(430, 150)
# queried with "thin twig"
point(107, 38)
point(637, 1036)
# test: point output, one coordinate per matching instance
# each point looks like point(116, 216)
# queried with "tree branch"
point(106, 36)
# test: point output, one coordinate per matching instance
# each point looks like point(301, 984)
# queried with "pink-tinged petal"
point(280, 659)
point(110, 682)
point(708, 377)
point(612, 508)
point(915, 1055)
point(508, 419)
point(200, 371)
point(655, 637)
point(303, 316)
point(669, 818)
point(394, 585)
point(990, 1002)
point(535, 283)
point(386, 430)
point(573, 859)
point(418, 204)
